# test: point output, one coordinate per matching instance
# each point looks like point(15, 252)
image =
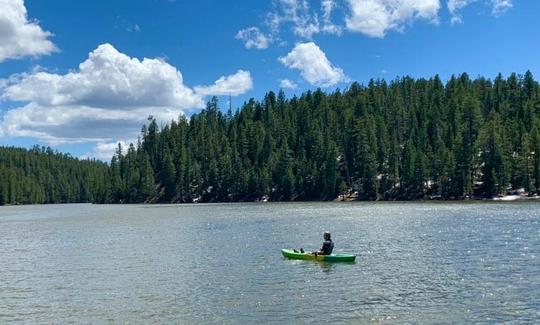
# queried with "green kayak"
point(289, 253)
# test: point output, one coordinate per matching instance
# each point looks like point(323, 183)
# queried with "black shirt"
point(327, 247)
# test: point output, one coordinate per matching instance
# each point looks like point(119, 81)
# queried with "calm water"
point(417, 263)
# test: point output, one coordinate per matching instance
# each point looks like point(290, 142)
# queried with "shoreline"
point(501, 199)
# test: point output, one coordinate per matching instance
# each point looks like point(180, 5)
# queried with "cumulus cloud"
point(20, 37)
point(105, 150)
point(107, 99)
point(108, 78)
point(235, 84)
point(286, 83)
point(253, 38)
point(375, 17)
point(313, 65)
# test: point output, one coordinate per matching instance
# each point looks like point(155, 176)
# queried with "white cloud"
point(105, 150)
point(253, 38)
point(305, 21)
point(20, 37)
point(328, 6)
point(454, 6)
point(235, 84)
point(498, 7)
point(111, 79)
point(298, 12)
point(313, 64)
point(108, 98)
point(375, 17)
point(286, 83)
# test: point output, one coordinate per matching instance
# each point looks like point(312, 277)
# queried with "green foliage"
point(41, 175)
point(407, 139)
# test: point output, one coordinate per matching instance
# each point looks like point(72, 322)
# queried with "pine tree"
point(493, 164)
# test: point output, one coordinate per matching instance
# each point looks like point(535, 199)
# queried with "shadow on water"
point(327, 267)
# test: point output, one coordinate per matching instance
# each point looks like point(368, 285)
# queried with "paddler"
point(327, 246)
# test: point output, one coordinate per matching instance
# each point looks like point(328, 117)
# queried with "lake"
point(221, 263)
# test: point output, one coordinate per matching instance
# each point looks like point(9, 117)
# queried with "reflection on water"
point(417, 263)
point(326, 267)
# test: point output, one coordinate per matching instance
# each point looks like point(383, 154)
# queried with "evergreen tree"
point(492, 158)
point(406, 139)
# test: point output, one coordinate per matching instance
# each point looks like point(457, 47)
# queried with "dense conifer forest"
point(404, 140)
point(41, 175)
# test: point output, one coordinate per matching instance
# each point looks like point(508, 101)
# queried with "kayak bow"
point(289, 253)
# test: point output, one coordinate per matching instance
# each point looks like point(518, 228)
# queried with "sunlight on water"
point(417, 262)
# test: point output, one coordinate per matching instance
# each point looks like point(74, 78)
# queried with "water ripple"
point(220, 263)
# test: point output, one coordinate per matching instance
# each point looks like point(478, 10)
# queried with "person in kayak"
point(327, 246)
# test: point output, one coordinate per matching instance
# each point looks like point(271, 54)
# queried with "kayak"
point(289, 253)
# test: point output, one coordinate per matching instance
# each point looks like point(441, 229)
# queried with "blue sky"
point(73, 74)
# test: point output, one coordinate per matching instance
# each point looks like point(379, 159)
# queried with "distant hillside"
point(407, 139)
point(41, 175)
point(404, 140)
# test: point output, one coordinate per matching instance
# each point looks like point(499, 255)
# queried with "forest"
point(407, 139)
point(404, 140)
point(42, 175)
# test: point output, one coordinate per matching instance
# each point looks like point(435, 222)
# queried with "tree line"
point(42, 175)
point(403, 140)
